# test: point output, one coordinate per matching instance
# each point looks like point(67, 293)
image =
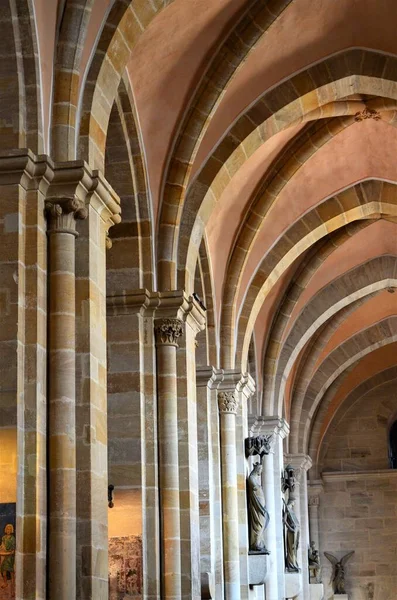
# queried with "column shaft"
point(62, 430)
point(167, 332)
point(269, 483)
point(228, 408)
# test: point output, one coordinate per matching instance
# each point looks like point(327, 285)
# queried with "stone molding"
point(330, 476)
point(62, 214)
point(300, 462)
point(207, 376)
point(314, 491)
point(61, 182)
point(227, 402)
point(259, 425)
point(168, 331)
point(247, 386)
point(162, 305)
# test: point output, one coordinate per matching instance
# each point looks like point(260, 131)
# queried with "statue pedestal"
point(257, 565)
point(340, 597)
point(316, 591)
point(293, 585)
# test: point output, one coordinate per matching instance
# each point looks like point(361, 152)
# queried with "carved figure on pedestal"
point(314, 564)
point(290, 521)
point(338, 572)
point(291, 536)
point(258, 515)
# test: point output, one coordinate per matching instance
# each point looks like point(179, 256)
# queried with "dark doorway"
point(393, 446)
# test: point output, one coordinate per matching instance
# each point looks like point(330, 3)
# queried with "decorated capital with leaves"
point(168, 331)
point(227, 402)
point(62, 214)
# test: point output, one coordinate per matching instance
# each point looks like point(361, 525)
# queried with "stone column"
point(302, 463)
point(210, 506)
point(314, 490)
point(103, 209)
point(246, 390)
point(194, 321)
point(61, 217)
point(272, 469)
point(23, 346)
point(168, 331)
point(228, 406)
point(132, 420)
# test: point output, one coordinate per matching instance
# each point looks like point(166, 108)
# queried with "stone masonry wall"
point(358, 510)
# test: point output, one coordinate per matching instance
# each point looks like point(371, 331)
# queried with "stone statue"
point(258, 515)
point(314, 564)
point(338, 572)
point(291, 535)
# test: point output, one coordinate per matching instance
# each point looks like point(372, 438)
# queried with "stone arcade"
point(198, 260)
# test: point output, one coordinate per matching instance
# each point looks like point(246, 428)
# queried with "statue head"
point(257, 470)
point(9, 529)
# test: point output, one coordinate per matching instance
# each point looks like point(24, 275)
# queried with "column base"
point(316, 591)
point(293, 585)
point(257, 564)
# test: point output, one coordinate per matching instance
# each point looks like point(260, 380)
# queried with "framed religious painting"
point(7, 551)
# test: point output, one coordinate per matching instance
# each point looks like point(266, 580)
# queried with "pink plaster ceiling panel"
point(306, 32)
point(372, 311)
point(166, 65)
point(375, 362)
point(232, 205)
point(364, 150)
point(378, 239)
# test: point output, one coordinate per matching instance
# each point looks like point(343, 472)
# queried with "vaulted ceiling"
point(256, 139)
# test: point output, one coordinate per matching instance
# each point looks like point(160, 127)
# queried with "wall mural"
point(7, 551)
point(125, 567)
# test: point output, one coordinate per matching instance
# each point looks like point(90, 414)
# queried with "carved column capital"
point(314, 500)
point(227, 402)
point(276, 426)
point(314, 491)
point(62, 214)
point(167, 331)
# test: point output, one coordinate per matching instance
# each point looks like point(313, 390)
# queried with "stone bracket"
point(257, 569)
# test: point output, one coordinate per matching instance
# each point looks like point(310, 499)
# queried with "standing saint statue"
point(338, 572)
point(314, 564)
point(291, 535)
point(258, 515)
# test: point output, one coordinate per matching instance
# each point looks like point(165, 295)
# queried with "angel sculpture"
point(338, 571)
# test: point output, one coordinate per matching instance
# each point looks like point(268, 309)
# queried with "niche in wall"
point(393, 446)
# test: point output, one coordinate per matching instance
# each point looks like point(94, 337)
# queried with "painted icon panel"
point(7, 550)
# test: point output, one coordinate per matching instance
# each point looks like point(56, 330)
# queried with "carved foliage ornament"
point(168, 331)
point(227, 402)
point(367, 113)
point(62, 214)
point(258, 446)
